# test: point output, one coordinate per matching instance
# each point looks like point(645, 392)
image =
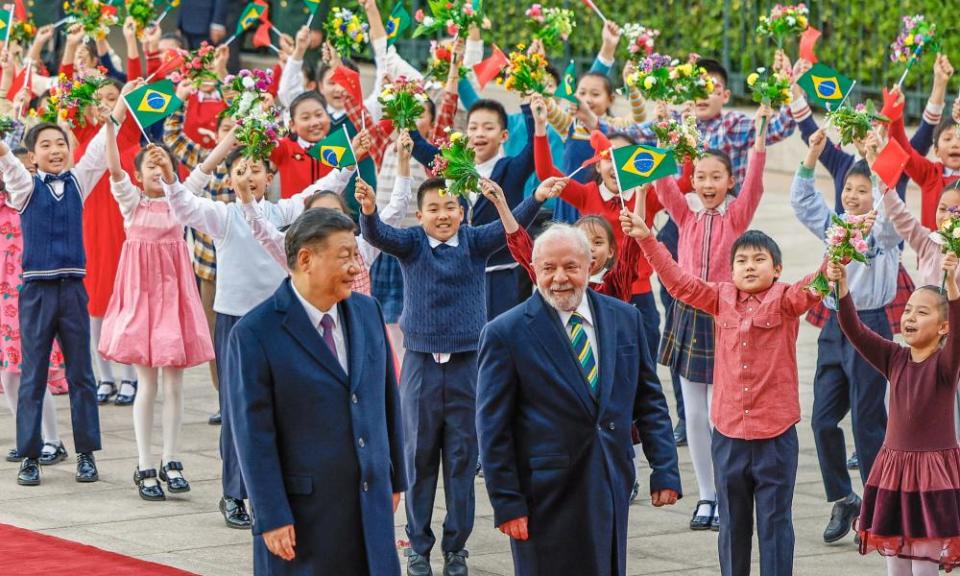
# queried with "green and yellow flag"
point(250, 17)
point(638, 165)
point(825, 86)
point(6, 17)
point(398, 21)
point(312, 5)
point(335, 150)
point(567, 88)
point(152, 103)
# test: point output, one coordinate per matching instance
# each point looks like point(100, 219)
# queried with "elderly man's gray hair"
point(563, 232)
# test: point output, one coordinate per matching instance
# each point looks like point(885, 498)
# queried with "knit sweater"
point(444, 298)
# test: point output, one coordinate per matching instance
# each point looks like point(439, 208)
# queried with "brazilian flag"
point(250, 17)
point(398, 21)
point(6, 18)
point(335, 150)
point(825, 86)
point(638, 165)
point(152, 103)
point(567, 89)
point(312, 5)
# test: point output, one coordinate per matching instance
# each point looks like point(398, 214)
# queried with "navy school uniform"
point(510, 173)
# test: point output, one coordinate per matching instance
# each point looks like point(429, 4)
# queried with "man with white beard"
point(562, 378)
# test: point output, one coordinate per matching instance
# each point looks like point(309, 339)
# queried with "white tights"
point(104, 366)
point(904, 567)
point(11, 391)
point(697, 399)
point(172, 412)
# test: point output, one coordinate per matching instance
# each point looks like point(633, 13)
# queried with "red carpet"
point(28, 553)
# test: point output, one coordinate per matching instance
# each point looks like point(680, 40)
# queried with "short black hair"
point(237, 154)
point(493, 106)
point(760, 241)
point(109, 81)
point(305, 96)
point(951, 187)
point(945, 123)
point(859, 168)
point(138, 159)
point(430, 109)
point(595, 174)
point(607, 83)
point(943, 306)
point(33, 134)
point(554, 73)
point(429, 185)
point(317, 196)
point(715, 68)
point(314, 227)
point(176, 37)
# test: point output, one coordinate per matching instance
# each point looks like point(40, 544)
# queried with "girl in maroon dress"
point(911, 503)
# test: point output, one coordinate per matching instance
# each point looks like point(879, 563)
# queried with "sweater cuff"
point(800, 109)
point(804, 172)
point(933, 113)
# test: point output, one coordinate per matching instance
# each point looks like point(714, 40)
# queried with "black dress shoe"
point(854, 462)
point(455, 563)
point(234, 513)
point(14, 456)
point(175, 484)
point(418, 565)
point(86, 468)
point(152, 492)
point(126, 399)
point(215, 420)
point(715, 523)
point(680, 433)
point(29, 472)
point(51, 458)
point(702, 522)
point(635, 491)
point(104, 397)
point(841, 518)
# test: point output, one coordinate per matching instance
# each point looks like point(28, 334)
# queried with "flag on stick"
point(398, 21)
point(490, 68)
point(349, 80)
point(335, 151)
point(638, 165)
point(807, 41)
point(890, 163)
point(567, 88)
point(825, 86)
point(152, 103)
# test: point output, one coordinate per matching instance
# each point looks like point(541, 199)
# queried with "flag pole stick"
point(274, 29)
point(135, 119)
point(27, 83)
point(230, 40)
point(310, 19)
point(913, 58)
point(616, 172)
point(575, 172)
point(162, 16)
point(596, 9)
point(274, 48)
point(61, 22)
point(6, 41)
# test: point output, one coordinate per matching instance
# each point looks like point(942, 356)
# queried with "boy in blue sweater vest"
point(53, 302)
point(487, 132)
point(444, 309)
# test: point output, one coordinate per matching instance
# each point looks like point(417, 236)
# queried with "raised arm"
point(264, 231)
point(950, 358)
point(874, 348)
point(204, 214)
point(808, 205)
point(742, 209)
point(399, 242)
point(685, 287)
point(906, 224)
point(491, 237)
point(16, 178)
point(291, 79)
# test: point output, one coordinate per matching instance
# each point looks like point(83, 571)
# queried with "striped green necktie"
point(583, 350)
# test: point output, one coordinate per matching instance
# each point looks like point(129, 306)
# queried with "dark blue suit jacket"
point(196, 16)
point(298, 421)
point(554, 454)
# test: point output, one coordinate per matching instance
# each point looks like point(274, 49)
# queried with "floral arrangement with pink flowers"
point(403, 102)
point(197, 66)
point(845, 243)
point(640, 41)
point(456, 163)
point(96, 17)
point(784, 21)
point(948, 236)
point(661, 78)
point(438, 65)
point(257, 129)
point(916, 35)
point(552, 26)
point(347, 31)
point(681, 137)
point(451, 17)
point(853, 124)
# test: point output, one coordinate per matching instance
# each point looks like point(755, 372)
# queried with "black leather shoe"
point(126, 399)
point(14, 456)
point(29, 472)
point(635, 492)
point(151, 492)
point(175, 484)
point(680, 433)
point(854, 462)
point(715, 522)
point(215, 420)
point(455, 563)
point(86, 468)
point(418, 565)
point(841, 518)
point(234, 513)
point(51, 458)
point(104, 397)
point(702, 522)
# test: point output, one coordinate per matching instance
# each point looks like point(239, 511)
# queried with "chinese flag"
point(807, 41)
point(349, 80)
point(18, 82)
point(261, 38)
point(490, 68)
point(601, 148)
point(20, 12)
point(172, 61)
point(891, 109)
point(890, 163)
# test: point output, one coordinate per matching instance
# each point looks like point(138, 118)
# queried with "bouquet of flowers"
point(854, 123)
point(640, 41)
point(525, 73)
point(70, 99)
point(95, 16)
point(23, 32)
point(690, 82)
point(552, 26)
point(257, 128)
point(845, 243)
point(197, 66)
point(948, 236)
point(682, 137)
point(347, 31)
point(142, 12)
point(402, 101)
point(784, 21)
point(916, 35)
point(438, 66)
point(456, 163)
point(652, 77)
point(451, 17)
point(770, 89)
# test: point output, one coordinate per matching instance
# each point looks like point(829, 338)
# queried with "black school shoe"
point(86, 468)
point(126, 399)
point(699, 523)
point(455, 563)
point(14, 456)
point(234, 513)
point(418, 565)
point(175, 484)
point(51, 458)
point(854, 462)
point(104, 397)
point(841, 518)
point(150, 492)
point(29, 474)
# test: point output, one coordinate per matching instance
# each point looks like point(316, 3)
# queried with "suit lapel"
point(549, 335)
point(606, 344)
point(356, 344)
point(297, 323)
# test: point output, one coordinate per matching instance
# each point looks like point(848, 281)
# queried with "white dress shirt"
point(316, 316)
point(588, 326)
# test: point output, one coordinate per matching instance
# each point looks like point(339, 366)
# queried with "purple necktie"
point(327, 324)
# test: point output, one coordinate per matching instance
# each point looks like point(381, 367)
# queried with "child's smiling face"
point(712, 106)
point(592, 91)
point(923, 322)
point(947, 148)
point(252, 175)
point(606, 169)
point(310, 121)
point(754, 270)
point(712, 181)
point(857, 195)
point(52, 152)
point(949, 199)
point(601, 251)
point(485, 133)
point(440, 215)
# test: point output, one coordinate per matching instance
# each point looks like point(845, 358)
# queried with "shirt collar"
point(314, 313)
point(756, 297)
point(453, 242)
point(204, 96)
point(486, 168)
point(607, 195)
point(304, 144)
point(696, 205)
point(334, 113)
point(950, 171)
point(583, 309)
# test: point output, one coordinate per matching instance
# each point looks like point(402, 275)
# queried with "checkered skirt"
point(387, 286)
point(687, 346)
point(819, 314)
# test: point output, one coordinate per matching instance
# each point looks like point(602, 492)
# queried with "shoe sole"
point(57, 460)
point(700, 528)
point(236, 526)
point(845, 532)
point(161, 499)
point(96, 478)
point(28, 483)
point(9, 459)
point(172, 491)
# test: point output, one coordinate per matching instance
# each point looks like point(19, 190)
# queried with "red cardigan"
point(296, 168)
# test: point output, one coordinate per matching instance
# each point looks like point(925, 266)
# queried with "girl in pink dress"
point(911, 501)
point(154, 320)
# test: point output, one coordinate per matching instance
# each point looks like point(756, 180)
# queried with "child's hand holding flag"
point(552, 187)
point(366, 197)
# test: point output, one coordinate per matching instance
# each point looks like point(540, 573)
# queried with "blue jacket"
point(552, 453)
point(201, 14)
point(298, 422)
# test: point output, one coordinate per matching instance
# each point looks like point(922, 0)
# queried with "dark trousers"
point(232, 479)
point(438, 403)
point(761, 472)
point(56, 309)
point(503, 290)
point(846, 383)
point(670, 236)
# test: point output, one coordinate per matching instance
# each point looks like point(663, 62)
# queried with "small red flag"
point(261, 38)
point(601, 148)
point(890, 163)
point(891, 109)
point(172, 61)
point(807, 41)
point(349, 80)
point(490, 68)
point(20, 12)
point(18, 82)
